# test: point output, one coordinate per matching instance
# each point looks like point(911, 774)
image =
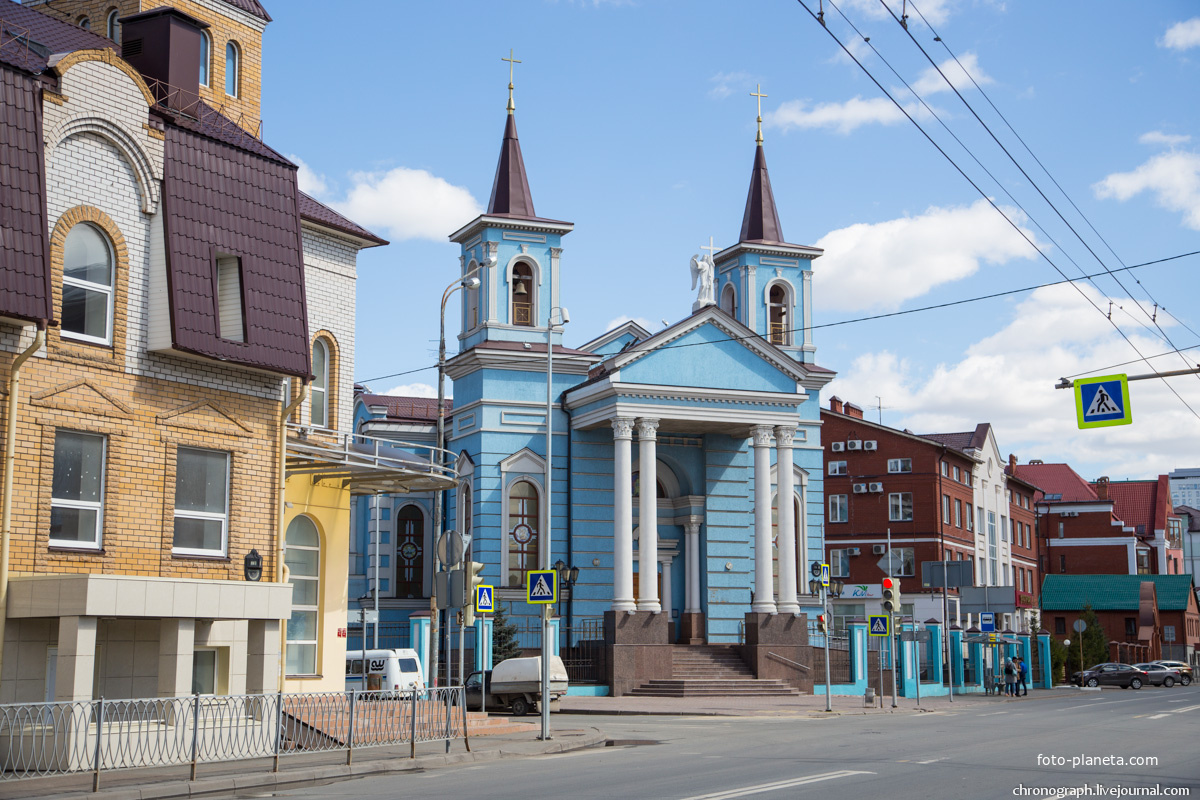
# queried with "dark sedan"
point(1112, 674)
point(1159, 674)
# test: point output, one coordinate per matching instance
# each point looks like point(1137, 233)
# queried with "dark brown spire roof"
point(760, 223)
point(510, 190)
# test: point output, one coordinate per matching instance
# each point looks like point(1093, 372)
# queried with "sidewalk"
point(803, 705)
point(302, 769)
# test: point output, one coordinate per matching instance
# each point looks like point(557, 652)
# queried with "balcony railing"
point(367, 464)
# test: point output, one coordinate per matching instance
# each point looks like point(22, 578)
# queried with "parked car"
point(1160, 675)
point(1111, 674)
point(516, 685)
point(1185, 669)
point(387, 670)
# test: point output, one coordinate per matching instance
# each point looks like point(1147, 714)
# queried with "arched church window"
point(729, 300)
point(523, 533)
point(522, 295)
point(637, 486)
point(798, 522)
point(777, 314)
point(410, 551)
point(471, 298)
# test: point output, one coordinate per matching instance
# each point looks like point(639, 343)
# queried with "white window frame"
point(945, 469)
point(911, 561)
point(897, 465)
point(838, 468)
point(839, 564)
point(237, 69)
point(315, 609)
point(896, 507)
point(98, 507)
point(958, 509)
point(205, 515)
point(957, 474)
point(969, 515)
point(945, 509)
point(206, 48)
point(107, 290)
point(843, 506)
point(111, 28)
point(320, 385)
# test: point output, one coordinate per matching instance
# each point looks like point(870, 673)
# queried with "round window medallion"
point(522, 533)
point(409, 551)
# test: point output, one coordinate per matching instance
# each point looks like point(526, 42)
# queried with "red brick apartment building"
point(928, 493)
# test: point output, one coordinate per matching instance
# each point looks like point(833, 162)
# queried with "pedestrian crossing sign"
point(484, 603)
point(541, 586)
point(1103, 401)
point(879, 625)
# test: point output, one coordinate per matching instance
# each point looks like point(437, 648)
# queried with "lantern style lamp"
point(253, 566)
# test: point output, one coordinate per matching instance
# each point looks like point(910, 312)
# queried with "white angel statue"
point(702, 276)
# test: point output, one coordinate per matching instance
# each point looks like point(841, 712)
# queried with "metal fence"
point(392, 636)
point(40, 739)
point(585, 655)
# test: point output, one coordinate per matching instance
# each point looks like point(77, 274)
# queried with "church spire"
point(510, 189)
point(760, 223)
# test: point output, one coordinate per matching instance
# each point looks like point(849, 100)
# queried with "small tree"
point(504, 637)
point(1095, 645)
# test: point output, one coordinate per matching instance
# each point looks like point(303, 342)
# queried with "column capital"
point(784, 435)
point(646, 428)
point(762, 435)
point(622, 428)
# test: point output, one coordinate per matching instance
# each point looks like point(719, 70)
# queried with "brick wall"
point(330, 278)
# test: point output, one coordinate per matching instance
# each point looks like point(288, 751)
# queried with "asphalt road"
point(983, 748)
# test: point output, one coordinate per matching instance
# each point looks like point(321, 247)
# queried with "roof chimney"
point(835, 404)
point(853, 411)
point(1012, 462)
point(164, 45)
point(1102, 487)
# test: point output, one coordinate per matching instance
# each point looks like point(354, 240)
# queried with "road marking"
point(1156, 716)
point(933, 760)
point(991, 713)
point(1185, 708)
point(777, 785)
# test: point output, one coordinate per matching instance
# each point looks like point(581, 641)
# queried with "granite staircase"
point(711, 671)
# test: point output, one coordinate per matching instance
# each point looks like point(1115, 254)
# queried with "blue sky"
point(637, 125)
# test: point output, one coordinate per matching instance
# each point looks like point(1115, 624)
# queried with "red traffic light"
point(889, 583)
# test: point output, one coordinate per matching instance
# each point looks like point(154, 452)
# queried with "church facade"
point(670, 451)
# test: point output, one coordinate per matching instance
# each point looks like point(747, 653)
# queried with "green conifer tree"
point(504, 637)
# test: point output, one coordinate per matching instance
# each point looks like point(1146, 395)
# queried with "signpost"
point(541, 586)
point(987, 622)
point(825, 575)
point(879, 625)
point(1102, 401)
point(485, 599)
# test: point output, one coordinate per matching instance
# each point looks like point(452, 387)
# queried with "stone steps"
point(749, 687)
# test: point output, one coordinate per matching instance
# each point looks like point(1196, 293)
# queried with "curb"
point(308, 776)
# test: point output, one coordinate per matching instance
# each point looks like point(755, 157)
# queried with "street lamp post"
point(468, 281)
point(564, 317)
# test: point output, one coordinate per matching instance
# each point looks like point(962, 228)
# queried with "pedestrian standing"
point(1010, 678)
point(1022, 677)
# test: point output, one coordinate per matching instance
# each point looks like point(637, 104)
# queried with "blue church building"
point(684, 478)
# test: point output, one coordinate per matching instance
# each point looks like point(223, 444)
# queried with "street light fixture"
point(564, 317)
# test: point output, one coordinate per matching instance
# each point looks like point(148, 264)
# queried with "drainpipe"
point(280, 569)
point(570, 514)
point(10, 463)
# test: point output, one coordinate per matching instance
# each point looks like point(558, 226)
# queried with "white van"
point(387, 670)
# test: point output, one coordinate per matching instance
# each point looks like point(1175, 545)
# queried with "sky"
point(1077, 123)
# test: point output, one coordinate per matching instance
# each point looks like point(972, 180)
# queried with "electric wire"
point(989, 200)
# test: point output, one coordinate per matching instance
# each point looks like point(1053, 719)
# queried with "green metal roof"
point(1113, 592)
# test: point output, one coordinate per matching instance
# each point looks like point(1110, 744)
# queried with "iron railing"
point(367, 463)
point(41, 739)
point(584, 653)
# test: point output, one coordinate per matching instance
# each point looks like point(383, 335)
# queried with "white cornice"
point(725, 420)
point(632, 327)
point(482, 357)
point(793, 250)
point(485, 221)
point(608, 388)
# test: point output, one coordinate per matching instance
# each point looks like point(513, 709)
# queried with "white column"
point(648, 516)
point(76, 664)
point(667, 594)
point(764, 594)
point(786, 532)
point(692, 581)
point(623, 515)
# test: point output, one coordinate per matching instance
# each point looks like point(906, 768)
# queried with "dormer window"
point(522, 295)
point(233, 59)
point(87, 285)
point(320, 384)
point(777, 315)
point(229, 298)
point(112, 29)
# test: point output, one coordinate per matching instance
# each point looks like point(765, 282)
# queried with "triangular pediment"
point(83, 397)
point(204, 415)
point(523, 461)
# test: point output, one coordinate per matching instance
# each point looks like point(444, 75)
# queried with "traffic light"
point(891, 596)
point(474, 578)
point(822, 625)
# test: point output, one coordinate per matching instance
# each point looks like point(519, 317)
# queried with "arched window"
point(465, 517)
point(303, 559)
point(232, 69)
point(777, 314)
point(112, 29)
point(205, 57)
point(85, 23)
point(471, 298)
point(524, 509)
point(798, 523)
point(522, 295)
point(320, 384)
point(729, 300)
point(410, 552)
point(637, 486)
point(87, 292)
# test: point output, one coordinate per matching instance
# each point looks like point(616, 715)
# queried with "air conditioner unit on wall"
point(837, 447)
point(860, 488)
point(854, 444)
point(879, 549)
point(870, 444)
point(876, 487)
point(1069, 514)
point(853, 551)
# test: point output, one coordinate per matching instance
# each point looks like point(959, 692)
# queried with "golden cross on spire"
point(759, 94)
point(511, 61)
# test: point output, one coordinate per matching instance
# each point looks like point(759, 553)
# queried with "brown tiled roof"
point(251, 7)
point(1145, 503)
point(25, 291)
point(1058, 479)
point(417, 409)
point(510, 189)
point(760, 223)
point(220, 197)
point(318, 212)
point(955, 441)
point(29, 37)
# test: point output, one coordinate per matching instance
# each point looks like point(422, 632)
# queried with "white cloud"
point(931, 82)
point(725, 83)
point(936, 11)
point(1169, 139)
point(881, 265)
point(416, 390)
point(408, 204)
point(1182, 35)
point(311, 183)
point(1173, 178)
point(841, 117)
point(1008, 378)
